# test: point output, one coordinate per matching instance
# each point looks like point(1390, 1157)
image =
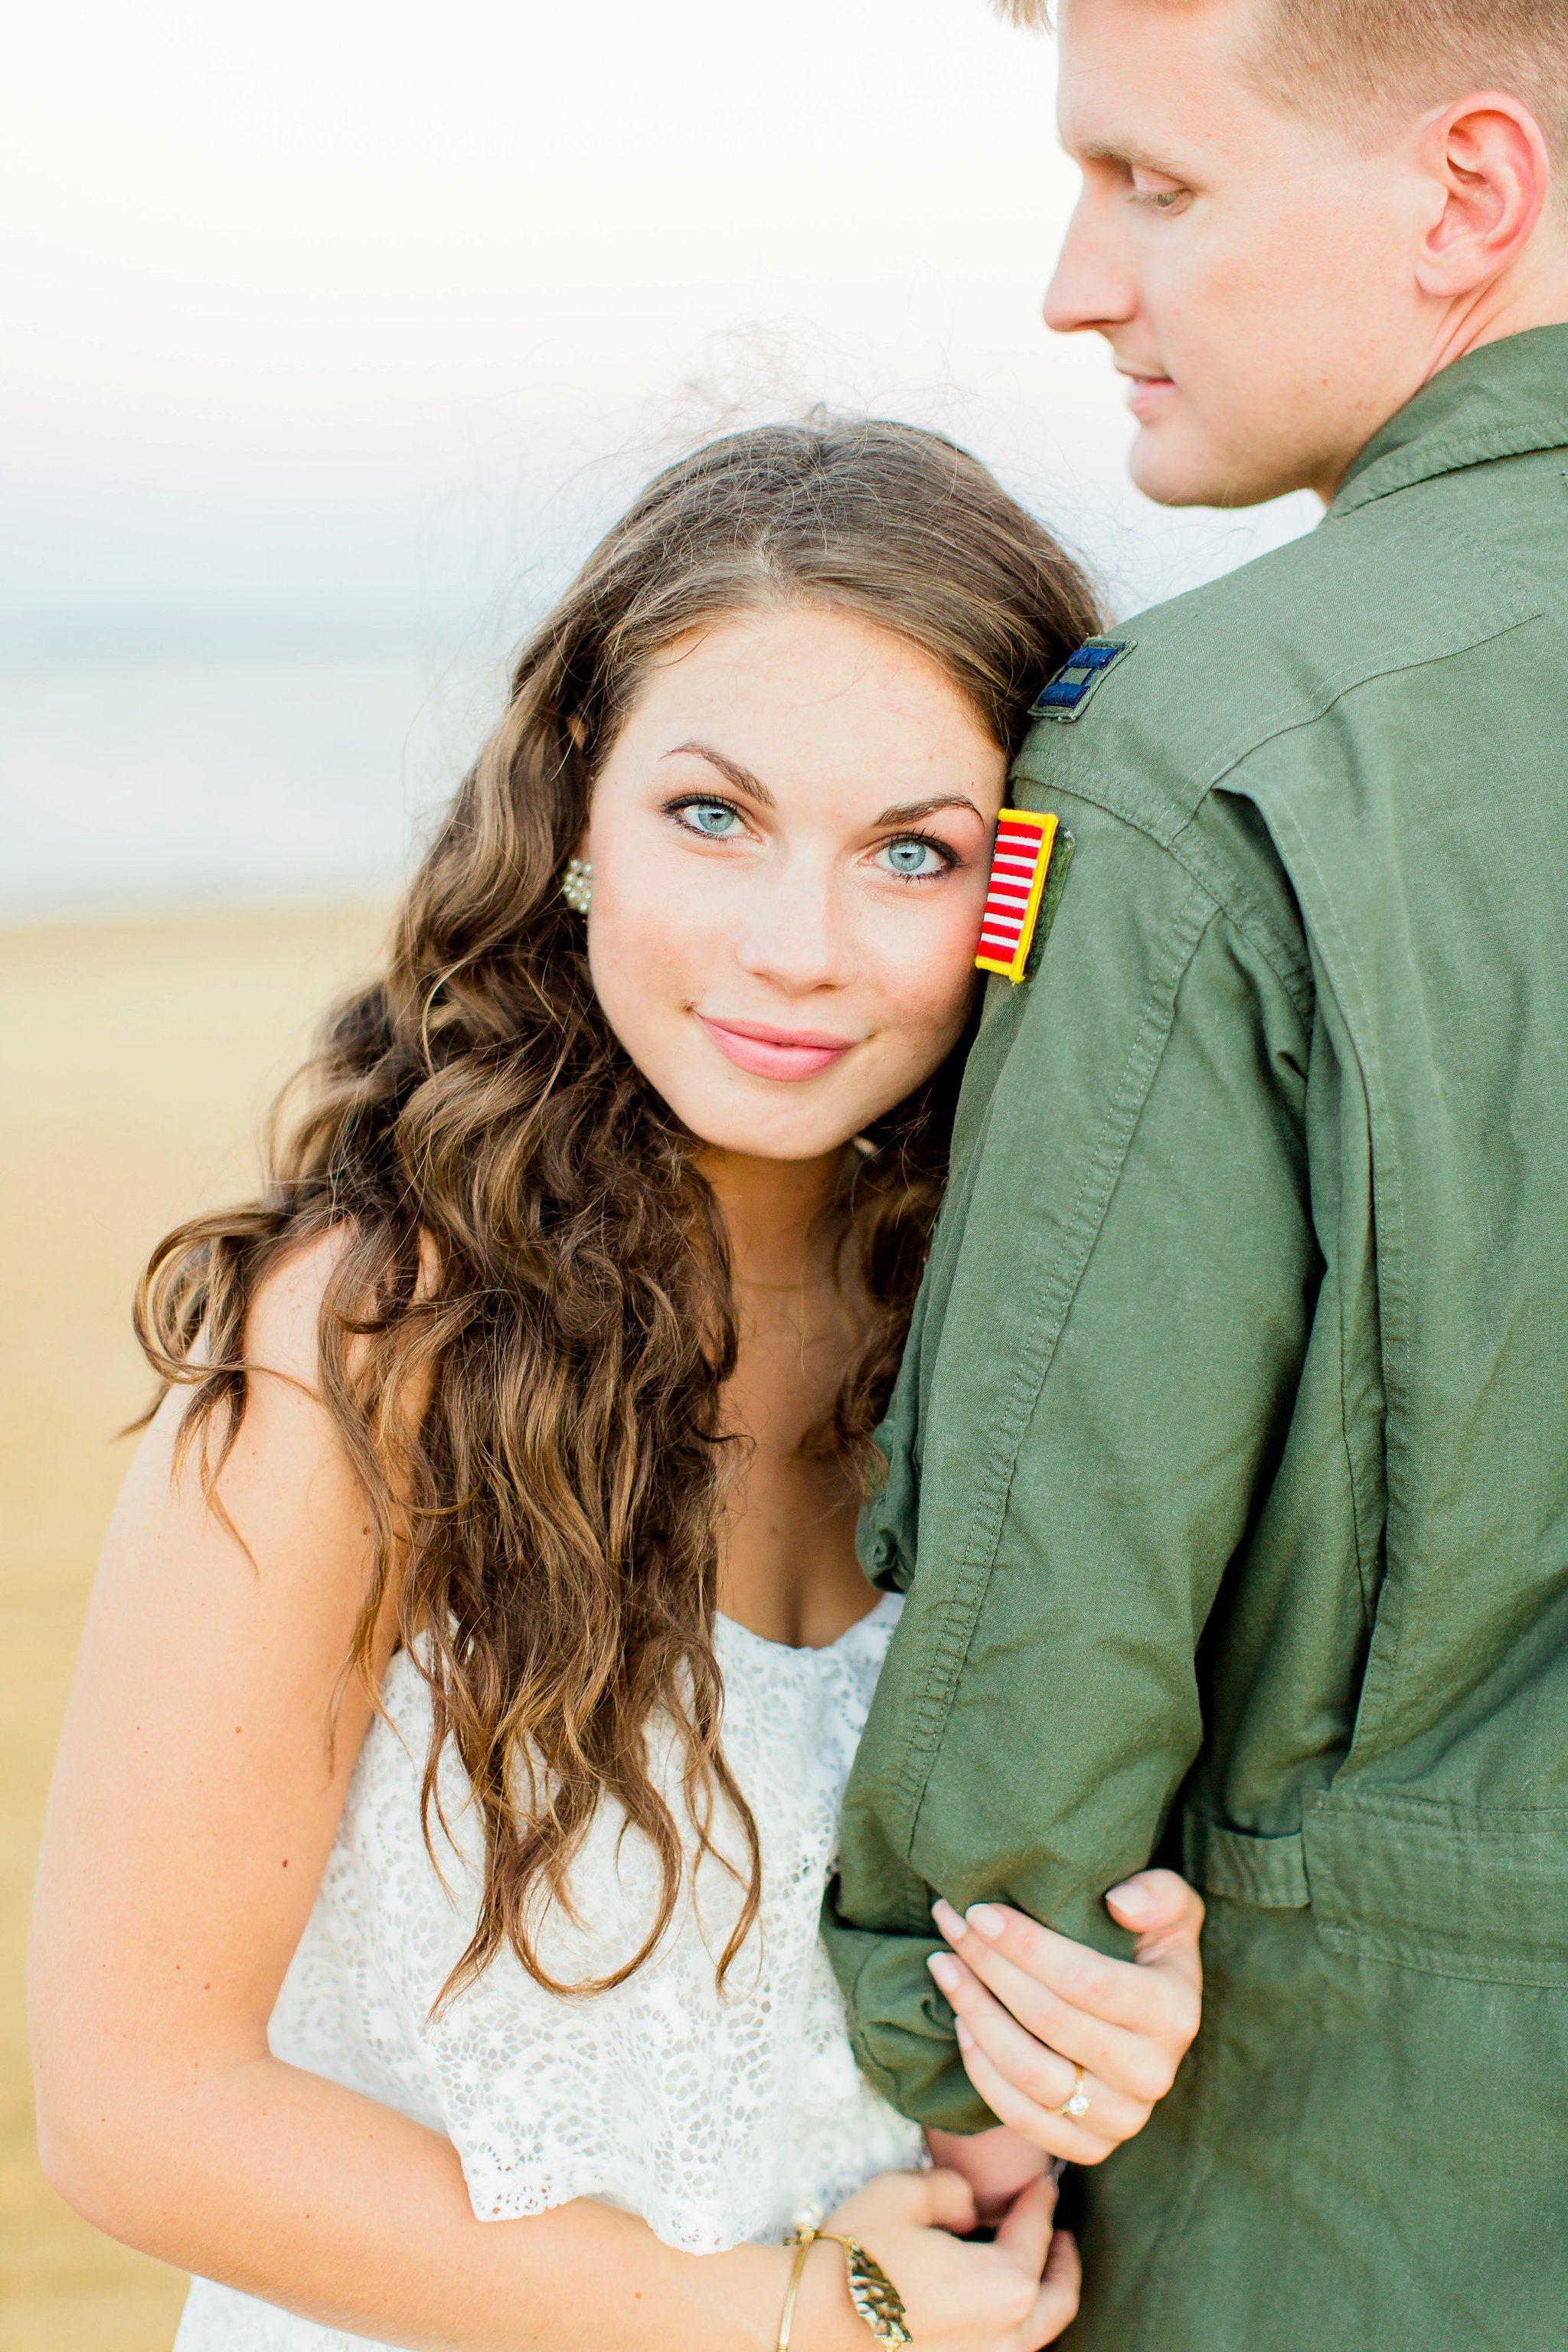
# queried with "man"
point(1228, 1468)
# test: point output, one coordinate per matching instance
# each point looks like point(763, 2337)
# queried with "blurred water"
point(301, 752)
point(197, 769)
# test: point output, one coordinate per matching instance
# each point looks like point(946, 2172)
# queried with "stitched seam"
point(1305, 711)
point(1333, 692)
point(1416, 1812)
point(1363, 1567)
point(1388, 1199)
point(1362, 1558)
point(1477, 449)
point(1058, 1288)
point(1293, 972)
point(1205, 867)
point(1210, 874)
point(1358, 1943)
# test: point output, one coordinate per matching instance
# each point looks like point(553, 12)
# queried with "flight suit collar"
point(1501, 401)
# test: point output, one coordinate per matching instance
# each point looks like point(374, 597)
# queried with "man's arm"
point(1124, 1331)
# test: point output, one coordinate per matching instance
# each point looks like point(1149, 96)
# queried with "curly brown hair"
point(526, 1334)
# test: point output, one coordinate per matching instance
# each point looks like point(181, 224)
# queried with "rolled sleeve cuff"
point(901, 2027)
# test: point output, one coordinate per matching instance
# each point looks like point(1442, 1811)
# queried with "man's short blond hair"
point(1365, 61)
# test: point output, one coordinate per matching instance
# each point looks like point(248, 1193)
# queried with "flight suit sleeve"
point(1127, 1310)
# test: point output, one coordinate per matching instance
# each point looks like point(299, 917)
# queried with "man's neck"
point(1521, 299)
point(1534, 293)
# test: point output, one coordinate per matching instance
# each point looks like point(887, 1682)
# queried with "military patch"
point(1019, 864)
point(1064, 696)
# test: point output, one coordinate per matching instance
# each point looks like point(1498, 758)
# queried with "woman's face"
point(791, 841)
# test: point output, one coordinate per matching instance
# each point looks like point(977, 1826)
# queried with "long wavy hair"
point(526, 1334)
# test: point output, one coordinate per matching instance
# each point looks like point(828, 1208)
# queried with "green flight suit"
point(1228, 1466)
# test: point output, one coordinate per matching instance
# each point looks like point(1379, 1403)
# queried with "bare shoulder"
point(283, 1328)
point(285, 1497)
point(215, 1716)
point(282, 1332)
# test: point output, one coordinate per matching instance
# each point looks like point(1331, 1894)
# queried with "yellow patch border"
point(1013, 968)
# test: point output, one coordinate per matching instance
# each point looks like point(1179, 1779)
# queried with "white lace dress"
point(714, 2115)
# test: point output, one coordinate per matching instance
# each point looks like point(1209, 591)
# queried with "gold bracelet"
point(876, 2299)
point(802, 2244)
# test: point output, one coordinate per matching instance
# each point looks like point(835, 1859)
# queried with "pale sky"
point(345, 303)
point(335, 334)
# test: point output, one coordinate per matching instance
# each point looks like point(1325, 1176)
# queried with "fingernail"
point(1133, 1902)
point(987, 1921)
point(946, 1971)
point(946, 1918)
point(965, 2039)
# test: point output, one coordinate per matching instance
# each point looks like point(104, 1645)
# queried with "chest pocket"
point(1463, 1891)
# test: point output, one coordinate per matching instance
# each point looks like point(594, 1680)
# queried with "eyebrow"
point(901, 812)
point(1125, 151)
point(741, 778)
point(911, 812)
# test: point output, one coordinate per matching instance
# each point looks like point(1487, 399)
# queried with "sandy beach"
point(136, 1061)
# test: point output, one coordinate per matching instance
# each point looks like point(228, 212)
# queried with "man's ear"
point(1489, 160)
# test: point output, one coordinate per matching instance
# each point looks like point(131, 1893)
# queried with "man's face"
point(1252, 271)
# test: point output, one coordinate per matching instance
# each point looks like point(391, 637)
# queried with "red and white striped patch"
point(1019, 865)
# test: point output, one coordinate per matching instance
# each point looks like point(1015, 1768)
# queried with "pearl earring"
point(577, 887)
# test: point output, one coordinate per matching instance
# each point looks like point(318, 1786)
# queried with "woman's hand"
point(1031, 2005)
point(1012, 2296)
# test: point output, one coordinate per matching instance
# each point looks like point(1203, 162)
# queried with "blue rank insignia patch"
point(1064, 695)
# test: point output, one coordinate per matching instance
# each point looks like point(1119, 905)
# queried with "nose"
point(1089, 291)
point(795, 933)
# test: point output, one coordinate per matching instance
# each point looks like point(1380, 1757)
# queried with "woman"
point(480, 1650)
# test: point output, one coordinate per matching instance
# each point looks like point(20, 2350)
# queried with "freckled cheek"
point(651, 943)
point(927, 989)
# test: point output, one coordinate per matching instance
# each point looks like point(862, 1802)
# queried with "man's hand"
point(998, 2165)
point(1033, 2008)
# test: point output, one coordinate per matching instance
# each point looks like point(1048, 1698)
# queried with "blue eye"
point(913, 860)
point(713, 819)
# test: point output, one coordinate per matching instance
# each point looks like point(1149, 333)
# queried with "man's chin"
point(1179, 468)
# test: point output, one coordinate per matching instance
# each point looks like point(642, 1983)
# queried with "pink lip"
point(770, 1052)
point(1146, 393)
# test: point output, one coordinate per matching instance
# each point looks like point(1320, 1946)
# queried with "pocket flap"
point(1456, 1890)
